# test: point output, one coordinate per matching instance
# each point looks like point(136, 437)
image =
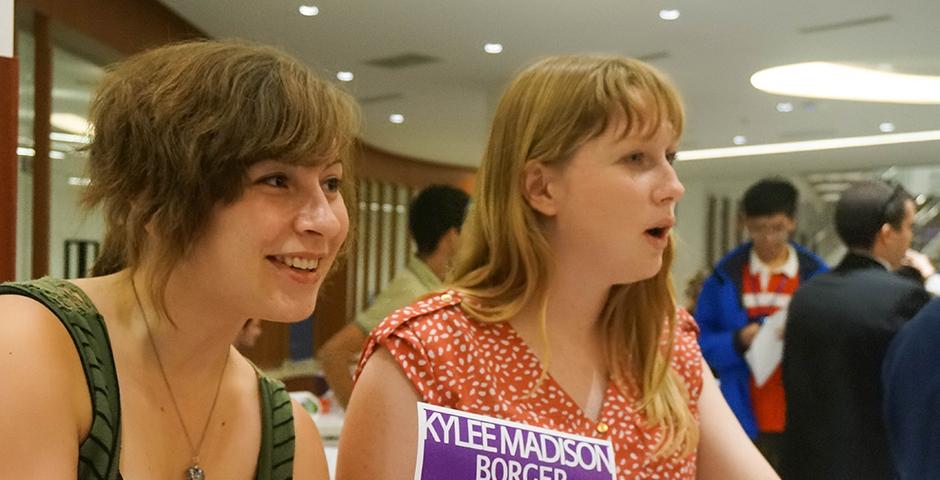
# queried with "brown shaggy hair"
point(176, 129)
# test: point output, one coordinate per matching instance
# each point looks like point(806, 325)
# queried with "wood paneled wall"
point(9, 103)
point(127, 26)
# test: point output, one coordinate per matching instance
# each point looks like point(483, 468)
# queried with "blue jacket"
point(912, 396)
point(720, 314)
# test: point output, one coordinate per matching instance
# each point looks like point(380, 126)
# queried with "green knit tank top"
point(99, 452)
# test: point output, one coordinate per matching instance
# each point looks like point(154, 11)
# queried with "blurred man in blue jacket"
point(750, 283)
point(912, 396)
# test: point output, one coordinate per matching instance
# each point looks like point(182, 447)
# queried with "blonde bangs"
point(644, 95)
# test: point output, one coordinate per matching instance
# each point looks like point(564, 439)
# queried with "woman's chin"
point(292, 313)
point(642, 273)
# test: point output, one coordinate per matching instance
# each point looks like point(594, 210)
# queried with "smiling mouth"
point(297, 263)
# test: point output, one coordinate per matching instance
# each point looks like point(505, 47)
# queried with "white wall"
point(6, 27)
point(67, 220)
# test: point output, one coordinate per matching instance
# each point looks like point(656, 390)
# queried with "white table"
point(330, 424)
point(331, 452)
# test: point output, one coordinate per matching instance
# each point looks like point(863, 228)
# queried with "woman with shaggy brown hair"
point(560, 312)
point(220, 169)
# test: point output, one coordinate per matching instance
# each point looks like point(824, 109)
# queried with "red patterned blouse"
point(486, 368)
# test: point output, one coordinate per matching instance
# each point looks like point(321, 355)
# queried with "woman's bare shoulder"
point(48, 409)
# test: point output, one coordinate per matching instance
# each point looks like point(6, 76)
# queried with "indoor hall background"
point(102, 30)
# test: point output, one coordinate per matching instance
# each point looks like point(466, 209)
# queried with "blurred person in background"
point(911, 382)
point(750, 283)
point(434, 220)
point(838, 329)
point(694, 287)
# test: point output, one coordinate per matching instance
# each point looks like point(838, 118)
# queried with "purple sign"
point(455, 445)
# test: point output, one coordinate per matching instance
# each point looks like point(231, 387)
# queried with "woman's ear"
point(538, 187)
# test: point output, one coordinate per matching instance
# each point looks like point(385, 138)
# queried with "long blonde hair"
point(548, 111)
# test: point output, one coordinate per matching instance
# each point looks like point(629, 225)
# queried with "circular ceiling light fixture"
point(845, 82)
point(396, 118)
point(784, 107)
point(886, 127)
point(345, 76)
point(739, 140)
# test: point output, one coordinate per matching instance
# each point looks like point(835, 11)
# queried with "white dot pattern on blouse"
point(486, 368)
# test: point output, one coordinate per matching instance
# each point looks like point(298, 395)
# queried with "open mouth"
point(297, 263)
point(658, 232)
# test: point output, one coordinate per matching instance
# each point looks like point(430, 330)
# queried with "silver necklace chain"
point(194, 472)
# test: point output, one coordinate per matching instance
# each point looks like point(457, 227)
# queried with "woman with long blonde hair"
point(560, 312)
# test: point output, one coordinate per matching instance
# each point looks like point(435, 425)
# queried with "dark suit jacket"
point(838, 329)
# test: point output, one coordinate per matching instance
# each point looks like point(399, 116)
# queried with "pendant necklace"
point(195, 472)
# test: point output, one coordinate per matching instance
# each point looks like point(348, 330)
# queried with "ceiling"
point(710, 51)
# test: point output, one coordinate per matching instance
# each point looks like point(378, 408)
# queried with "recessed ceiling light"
point(396, 118)
point(493, 48)
point(844, 82)
point(669, 14)
point(345, 76)
point(739, 139)
point(921, 199)
point(810, 145)
point(309, 10)
point(784, 107)
point(886, 127)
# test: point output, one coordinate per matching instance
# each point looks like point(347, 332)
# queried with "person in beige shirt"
point(434, 220)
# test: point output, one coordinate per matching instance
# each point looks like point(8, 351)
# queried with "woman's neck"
point(572, 313)
point(193, 330)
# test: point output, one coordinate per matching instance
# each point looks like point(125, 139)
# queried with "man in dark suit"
point(838, 329)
